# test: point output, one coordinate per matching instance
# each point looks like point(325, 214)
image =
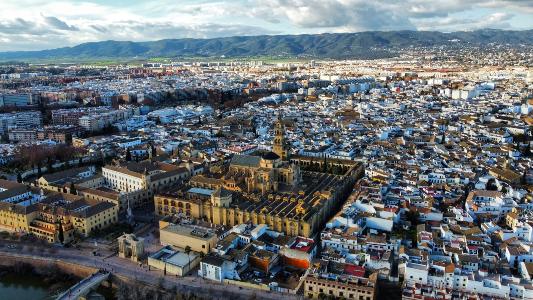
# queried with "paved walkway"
point(131, 270)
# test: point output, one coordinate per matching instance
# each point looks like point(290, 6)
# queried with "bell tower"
point(280, 145)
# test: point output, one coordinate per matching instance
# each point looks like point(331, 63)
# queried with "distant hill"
point(371, 44)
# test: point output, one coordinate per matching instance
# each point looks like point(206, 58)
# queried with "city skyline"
point(37, 25)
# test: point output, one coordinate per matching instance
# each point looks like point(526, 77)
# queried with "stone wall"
point(37, 263)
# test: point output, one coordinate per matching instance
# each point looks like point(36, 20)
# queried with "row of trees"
point(37, 156)
point(134, 292)
point(326, 168)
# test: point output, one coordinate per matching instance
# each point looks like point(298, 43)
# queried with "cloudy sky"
point(44, 24)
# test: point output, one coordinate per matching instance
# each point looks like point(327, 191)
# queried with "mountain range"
point(370, 44)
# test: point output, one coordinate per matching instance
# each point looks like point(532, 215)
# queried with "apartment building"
point(54, 217)
point(142, 179)
point(23, 119)
point(17, 99)
point(336, 280)
point(22, 134)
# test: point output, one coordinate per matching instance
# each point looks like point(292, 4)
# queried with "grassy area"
point(134, 61)
point(104, 61)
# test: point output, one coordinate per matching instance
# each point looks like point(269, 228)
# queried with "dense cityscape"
point(404, 177)
point(246, 149)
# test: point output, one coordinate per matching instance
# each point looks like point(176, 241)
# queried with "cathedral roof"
point(246, 160)
point(270, 156)
point(221, 192)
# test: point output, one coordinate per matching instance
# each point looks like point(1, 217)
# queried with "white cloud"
point(359, 15)
point(495, 20)
point(39, 24)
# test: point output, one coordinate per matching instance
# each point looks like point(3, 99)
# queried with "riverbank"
point(41, 279)
point(25, 287)
point(22, 280)
point(129, 274)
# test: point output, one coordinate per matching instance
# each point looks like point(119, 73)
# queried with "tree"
point(173, 290)
point(414, 237)
point(527, 150)
point(123, 292)
point(412, 216)
point(102, 156)
point(491, 185)
point(60, 234)
point(160, 283)
point(19, 178)
point(504, 189)
point(73, 189)
point(5, 138)
point(50, 166)
point(68, 139)
point(128, 155)
point(188, 251)
point(154, 151)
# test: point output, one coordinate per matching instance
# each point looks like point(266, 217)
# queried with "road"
point(132, 271)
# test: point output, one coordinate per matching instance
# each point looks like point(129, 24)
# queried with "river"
point(24, 287)
point(31, 287)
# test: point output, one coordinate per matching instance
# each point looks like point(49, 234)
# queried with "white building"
point(217, 268)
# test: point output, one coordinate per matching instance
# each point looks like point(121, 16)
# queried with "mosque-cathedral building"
point(271, 188)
